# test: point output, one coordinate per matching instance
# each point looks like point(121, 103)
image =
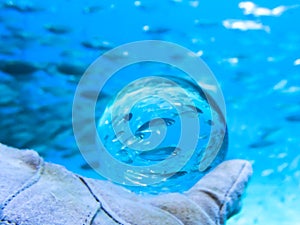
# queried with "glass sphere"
point(143, 127)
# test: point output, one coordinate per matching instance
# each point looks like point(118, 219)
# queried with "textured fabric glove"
point(33, 192)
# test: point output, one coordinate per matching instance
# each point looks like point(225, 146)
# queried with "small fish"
point(91, 166)
point(261, 144)
point(18, 67)
point(92, 94)
point(69, 155)
point(86, 166)
point(118, 121)
point(178, 174)
point(127, 117)
point(23, 36)
point(170, 175)
point(159, 154)
point(71, 68)
point(22, 6)
point(210, 122)
point(154, 123)
point(158, 30)
point(57, 29)
point(267, 132)
point(61, 129)
point(124, 156)
point(190, 114)
point(92, 9)
point(117, 136)
point(71, 53)
point(97, 45)
point(195, 108)
point(293, 118)
point(7, 50)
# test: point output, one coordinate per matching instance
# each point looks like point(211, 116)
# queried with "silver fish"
point(154, 123)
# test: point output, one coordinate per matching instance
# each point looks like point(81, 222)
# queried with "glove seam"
point(228, 193)
point(30, 182)
point(7, 222)
point(100, 203)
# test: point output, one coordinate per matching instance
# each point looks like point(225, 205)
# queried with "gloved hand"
point(33, 192)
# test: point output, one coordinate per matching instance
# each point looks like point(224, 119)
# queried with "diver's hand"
point(34, 192)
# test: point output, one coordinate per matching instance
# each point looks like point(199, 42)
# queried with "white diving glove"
point(33, 192)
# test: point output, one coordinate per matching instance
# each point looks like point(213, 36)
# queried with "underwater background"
point(253, 49)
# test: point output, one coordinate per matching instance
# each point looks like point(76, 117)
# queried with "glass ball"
point(144, 125)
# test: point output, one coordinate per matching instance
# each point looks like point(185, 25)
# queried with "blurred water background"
point(252, 47)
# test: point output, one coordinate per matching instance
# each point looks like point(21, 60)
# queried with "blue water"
point(251, 47)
